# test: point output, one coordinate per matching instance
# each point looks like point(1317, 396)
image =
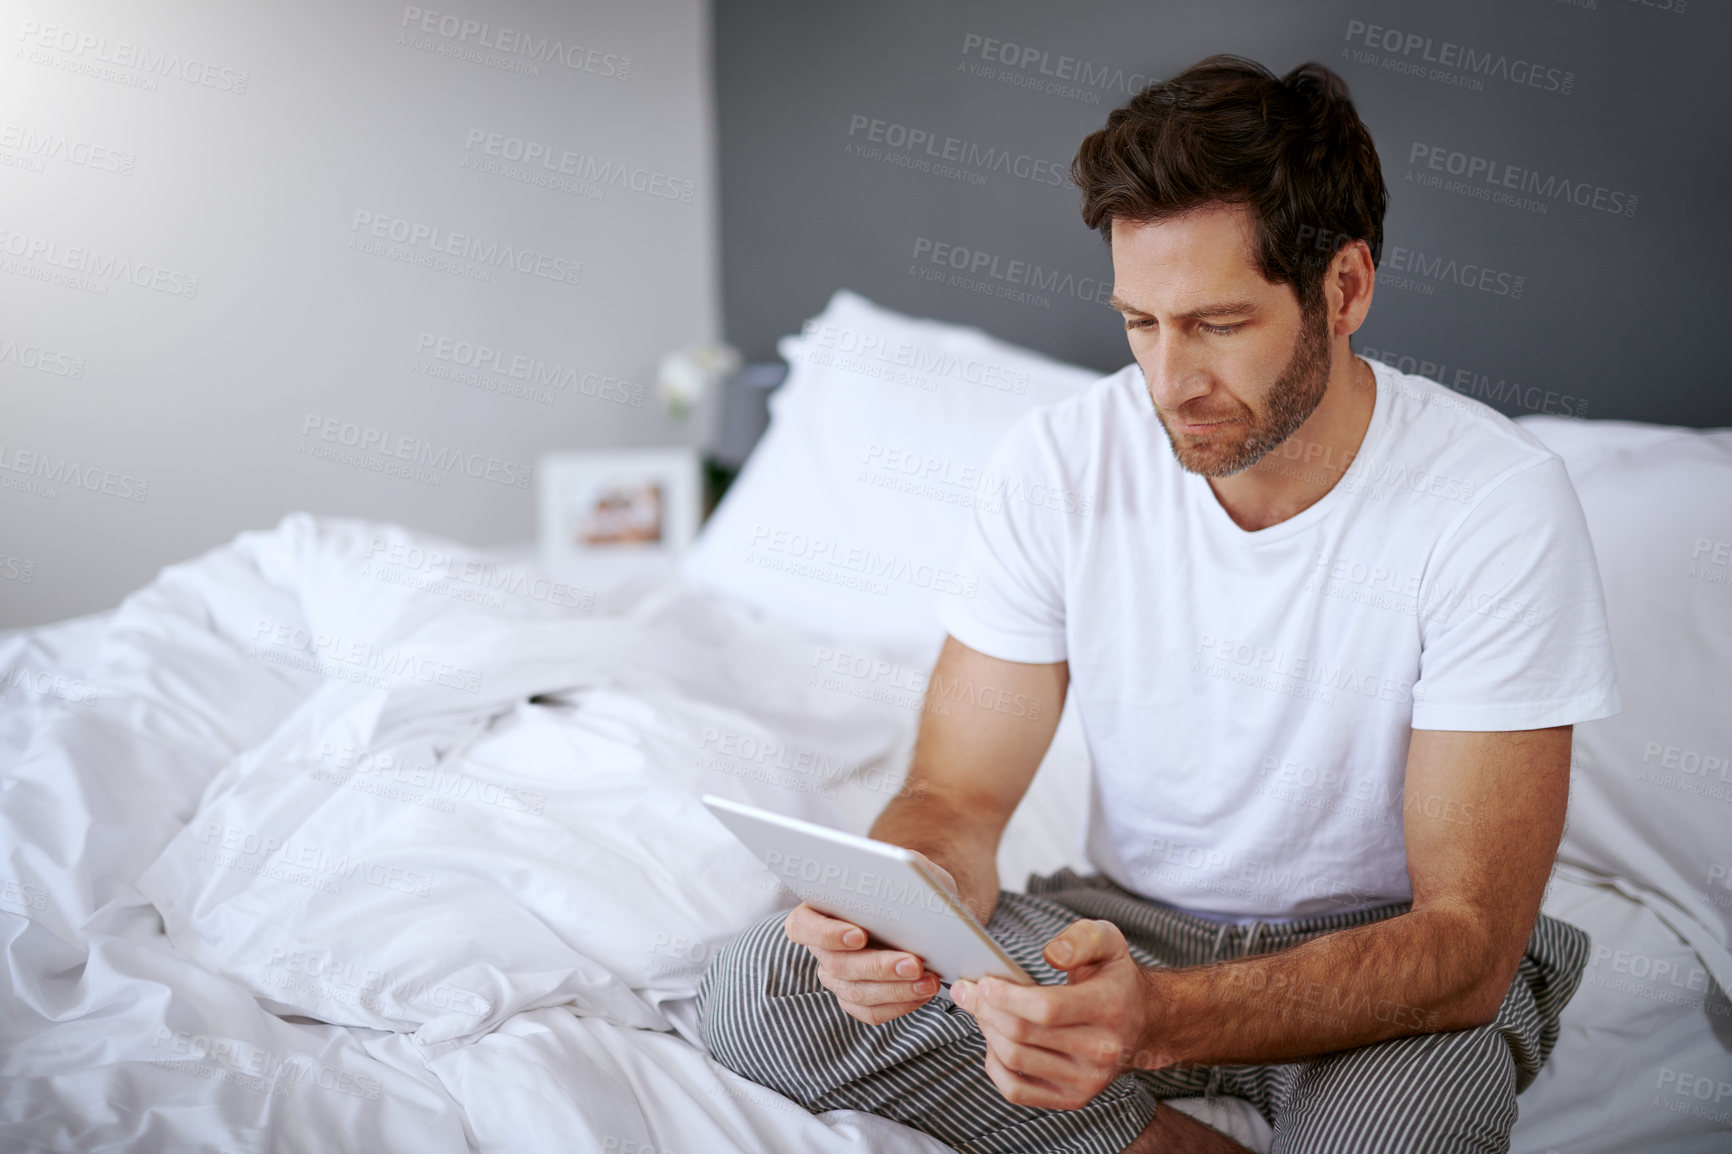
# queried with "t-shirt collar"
point(1198, 491)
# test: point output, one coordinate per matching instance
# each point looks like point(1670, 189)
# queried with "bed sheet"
point(120, 1043)
point(1644, 1053)
point(39, 672)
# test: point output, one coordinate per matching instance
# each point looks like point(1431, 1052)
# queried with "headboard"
point(1555, 204)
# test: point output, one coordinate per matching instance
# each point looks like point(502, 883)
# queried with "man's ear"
point(1348, 287)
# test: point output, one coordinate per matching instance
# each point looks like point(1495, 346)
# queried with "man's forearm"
point(951, 834)
point(1421, 972)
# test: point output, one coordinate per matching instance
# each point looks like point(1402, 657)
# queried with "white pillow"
point(1651, 791)
point(1638, 1064)
point(848, 517)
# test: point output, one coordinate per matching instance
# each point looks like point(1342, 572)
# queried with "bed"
point(343, 836)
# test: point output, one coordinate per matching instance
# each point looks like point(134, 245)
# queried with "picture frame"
point(603, 509)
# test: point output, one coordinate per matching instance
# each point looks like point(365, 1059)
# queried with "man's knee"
point(734, 996)
point(1423, 1094)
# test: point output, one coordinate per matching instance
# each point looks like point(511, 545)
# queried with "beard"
point(1293, 397)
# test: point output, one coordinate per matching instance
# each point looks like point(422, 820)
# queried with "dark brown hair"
point(1228, 131)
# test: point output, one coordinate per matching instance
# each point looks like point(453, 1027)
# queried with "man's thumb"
point(1080, 943)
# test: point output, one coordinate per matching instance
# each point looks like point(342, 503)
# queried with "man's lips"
point(1200, 426)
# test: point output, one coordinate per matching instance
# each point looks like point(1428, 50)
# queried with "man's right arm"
point(973, 761)
point(983, 732)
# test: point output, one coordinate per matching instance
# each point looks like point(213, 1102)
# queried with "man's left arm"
point(1483, 814)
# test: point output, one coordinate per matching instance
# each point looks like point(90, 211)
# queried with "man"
point(1328, 641)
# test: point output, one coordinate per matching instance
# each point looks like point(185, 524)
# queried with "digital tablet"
point(881, 888)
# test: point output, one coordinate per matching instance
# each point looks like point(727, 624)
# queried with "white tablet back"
point(877, 886)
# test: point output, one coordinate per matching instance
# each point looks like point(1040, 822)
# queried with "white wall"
point(197, 202)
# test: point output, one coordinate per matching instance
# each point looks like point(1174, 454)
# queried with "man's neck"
point(1298, 473)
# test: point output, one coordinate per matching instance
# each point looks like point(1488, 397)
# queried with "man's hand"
point(873, 985)
point(1056, 1047)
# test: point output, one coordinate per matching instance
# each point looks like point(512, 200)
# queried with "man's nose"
point(1173, 372)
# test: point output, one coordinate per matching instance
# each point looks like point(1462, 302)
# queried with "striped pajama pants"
point(764, 1015)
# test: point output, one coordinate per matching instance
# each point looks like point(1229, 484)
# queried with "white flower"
point(686, 376)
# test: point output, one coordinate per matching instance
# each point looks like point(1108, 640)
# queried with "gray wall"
point(1620, 310)
point(197, 258)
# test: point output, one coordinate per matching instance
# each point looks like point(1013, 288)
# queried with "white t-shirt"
point(1247, 697)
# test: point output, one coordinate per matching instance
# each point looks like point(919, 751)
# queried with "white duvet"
point(292, 862)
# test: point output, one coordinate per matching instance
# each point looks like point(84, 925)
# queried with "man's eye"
point(1217, 330)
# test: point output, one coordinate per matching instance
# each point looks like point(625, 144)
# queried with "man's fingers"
point(878, 1015)
point(1037, 1062)
point(841, 946)
point(1077, 1047)
point(994, 1019)
point(1023, 1090)
point(872, 985)
point(881, 993)
point(1005, 1003)
point(1086, 942)
point(870, 965)
point(810, 928)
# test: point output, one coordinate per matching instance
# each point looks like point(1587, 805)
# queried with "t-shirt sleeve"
point(1014, 550)
point(1513, 628)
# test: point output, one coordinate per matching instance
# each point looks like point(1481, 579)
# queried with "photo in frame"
point(609, 506)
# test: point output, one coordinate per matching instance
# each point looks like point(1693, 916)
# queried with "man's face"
point(1233, 366)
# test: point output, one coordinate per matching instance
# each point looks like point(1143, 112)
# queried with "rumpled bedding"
point(313, 845)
